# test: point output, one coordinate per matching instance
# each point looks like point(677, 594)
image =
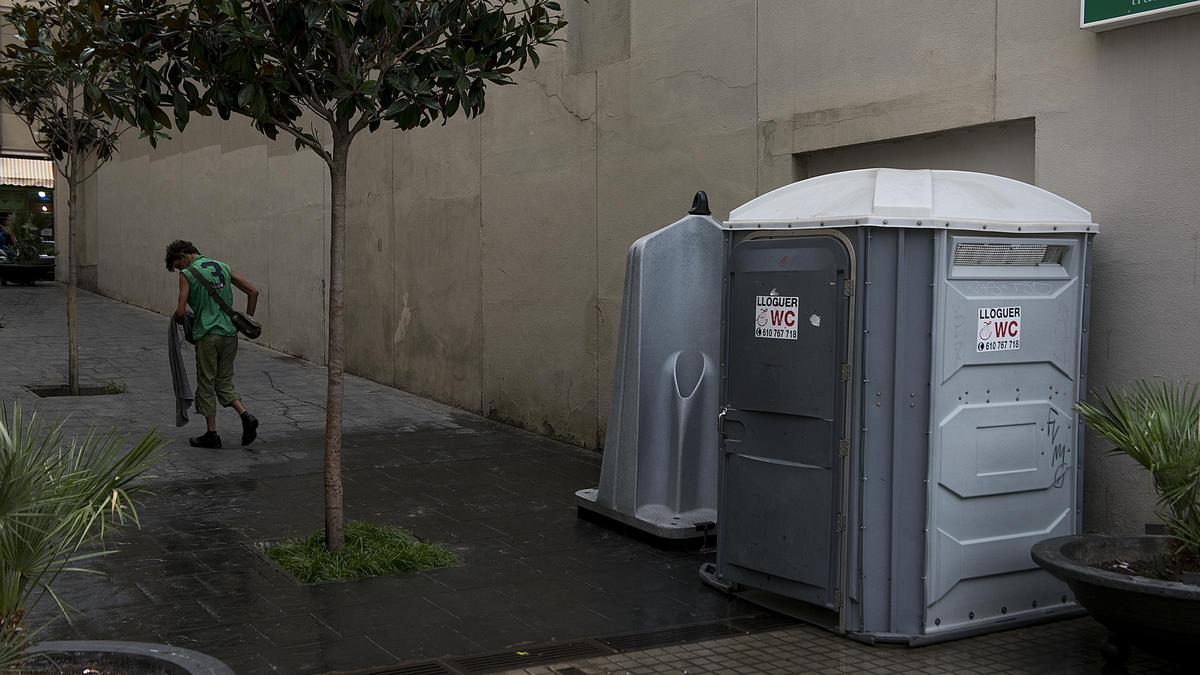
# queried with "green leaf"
point(246, 95)
point(91, 91)
point(1158, 425)
point(346, 108)
point(181, 109)
point(59, 498)
point(259, 106)
point(160, 117)
point(314, 12)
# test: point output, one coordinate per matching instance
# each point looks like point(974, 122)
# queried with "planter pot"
point(26, 273)
point(131, 658)
point(1162, 617)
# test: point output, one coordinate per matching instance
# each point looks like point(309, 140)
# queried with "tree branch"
point(384, 70)
point(311, 99)
point(306, 140)
point(116, 133)
point(412, 49)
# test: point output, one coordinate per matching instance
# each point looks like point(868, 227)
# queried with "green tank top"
point(209, 317)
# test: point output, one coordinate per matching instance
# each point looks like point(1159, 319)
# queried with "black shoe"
point(249, 428)
point(209, 440)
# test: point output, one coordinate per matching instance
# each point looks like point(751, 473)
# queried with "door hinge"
point(838, 600)
point(844, 448)
point(845, 372)
point(841, 522)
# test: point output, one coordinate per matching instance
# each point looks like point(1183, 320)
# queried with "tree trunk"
point(335, 535)
point(72, 282)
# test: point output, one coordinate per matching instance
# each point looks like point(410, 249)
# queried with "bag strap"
point(211, 290)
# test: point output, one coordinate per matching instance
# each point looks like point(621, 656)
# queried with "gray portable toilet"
point(900, 358)
point(659, 470)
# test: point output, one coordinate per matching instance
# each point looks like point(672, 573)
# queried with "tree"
point(325, 71)
point(81, 75)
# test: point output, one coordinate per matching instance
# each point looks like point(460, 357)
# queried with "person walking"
point(201, 281)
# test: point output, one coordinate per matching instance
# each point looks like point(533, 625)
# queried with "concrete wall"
point(1115, 134)
point(15, 138)
point(487, 256)
point(261, 207)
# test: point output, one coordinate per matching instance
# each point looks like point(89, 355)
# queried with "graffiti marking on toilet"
point(776, 317)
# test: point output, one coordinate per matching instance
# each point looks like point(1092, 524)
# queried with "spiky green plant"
point(57, 501)
point(1158, 425)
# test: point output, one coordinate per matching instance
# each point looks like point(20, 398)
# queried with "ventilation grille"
point(994, 253)
point(670, 636)
point(763, 624)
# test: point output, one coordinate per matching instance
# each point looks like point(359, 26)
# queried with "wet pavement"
point(1065, 647)
point(537, 586)
point(500, 498)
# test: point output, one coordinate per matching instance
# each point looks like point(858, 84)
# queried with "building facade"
point(26, 176)
point(486, 257)
point(15, 139)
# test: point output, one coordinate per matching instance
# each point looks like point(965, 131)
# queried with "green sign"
point(1106, 14)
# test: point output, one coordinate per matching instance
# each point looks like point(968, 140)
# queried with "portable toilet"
point(901, 353)
point(659, 469)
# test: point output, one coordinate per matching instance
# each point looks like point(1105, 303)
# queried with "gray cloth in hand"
point(179, 375)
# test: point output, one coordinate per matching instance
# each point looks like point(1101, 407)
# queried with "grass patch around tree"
point(371, 550)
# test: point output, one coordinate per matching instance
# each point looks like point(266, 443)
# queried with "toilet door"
point(785, 335)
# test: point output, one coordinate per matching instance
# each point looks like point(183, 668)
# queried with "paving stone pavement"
point(1065, 647)
point(126, 345)
point(502, 499)
point(191, 576)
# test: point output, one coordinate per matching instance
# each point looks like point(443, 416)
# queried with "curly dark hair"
point(176, 249)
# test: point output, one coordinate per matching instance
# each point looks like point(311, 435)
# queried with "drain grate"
point(530, 656)
point(420, 668)
point(558, 652)
point(762, 624)
point(670, 636)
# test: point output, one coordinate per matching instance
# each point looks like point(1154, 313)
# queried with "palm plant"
point(27, 240)
point(1158, 425)
point(57, 502)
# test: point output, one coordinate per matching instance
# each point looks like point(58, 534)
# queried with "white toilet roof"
point(904, 198)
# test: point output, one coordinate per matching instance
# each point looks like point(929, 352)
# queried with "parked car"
point(18, 271)
point(49, 258)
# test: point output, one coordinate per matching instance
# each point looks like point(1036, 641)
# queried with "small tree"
point(324, 71)
point(81, 75)
point(1157, 424)
point(59, 499)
